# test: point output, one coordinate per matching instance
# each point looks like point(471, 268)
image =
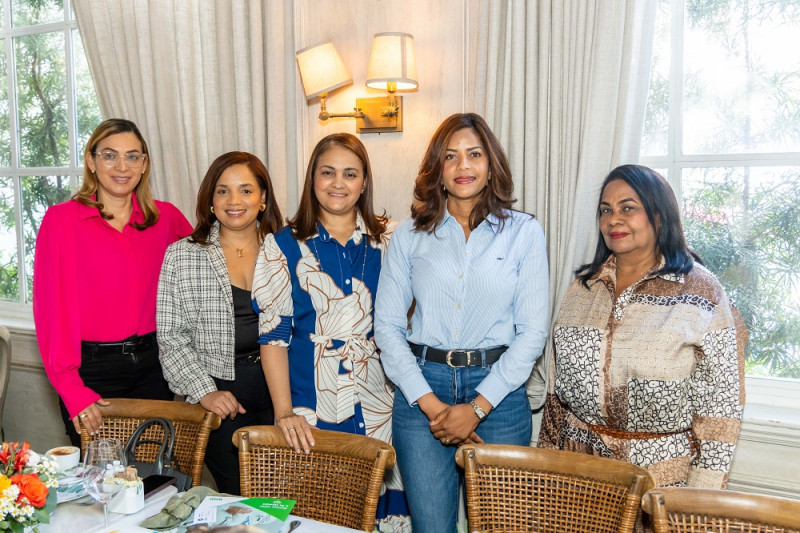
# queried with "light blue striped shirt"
point(489, 291)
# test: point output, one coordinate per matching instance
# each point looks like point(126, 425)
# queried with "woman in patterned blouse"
point(314, 284)
point(649, 351)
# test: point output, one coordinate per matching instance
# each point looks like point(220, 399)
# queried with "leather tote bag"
point(164, 463)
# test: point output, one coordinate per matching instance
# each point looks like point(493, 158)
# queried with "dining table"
point(81, 516)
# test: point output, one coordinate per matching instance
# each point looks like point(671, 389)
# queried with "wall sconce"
point(392, 66)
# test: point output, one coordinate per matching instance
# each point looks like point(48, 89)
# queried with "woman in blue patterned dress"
point(314, 286)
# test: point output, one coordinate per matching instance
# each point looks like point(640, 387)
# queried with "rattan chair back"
point(520, 488)
point(192, 427)
point(339, 482)
point(691, 510)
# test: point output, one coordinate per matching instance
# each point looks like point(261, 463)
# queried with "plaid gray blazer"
point(194, 317)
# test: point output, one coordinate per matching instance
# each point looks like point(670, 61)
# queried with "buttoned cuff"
point(414, 387)
point(493, 388)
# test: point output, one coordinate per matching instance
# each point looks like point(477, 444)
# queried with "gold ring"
point(83, 415)
point(446, 441)
point(291, 429)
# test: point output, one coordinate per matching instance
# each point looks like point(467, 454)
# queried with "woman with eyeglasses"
point(98, 257)
point(207, 328)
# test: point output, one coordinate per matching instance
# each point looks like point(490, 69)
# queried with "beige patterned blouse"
point(654, 377)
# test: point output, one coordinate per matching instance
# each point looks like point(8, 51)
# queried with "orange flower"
point(21, 459)
point(32, 488)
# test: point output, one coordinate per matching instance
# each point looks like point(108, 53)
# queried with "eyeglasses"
point(133, 160)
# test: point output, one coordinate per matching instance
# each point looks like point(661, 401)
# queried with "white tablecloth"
point(75, 518)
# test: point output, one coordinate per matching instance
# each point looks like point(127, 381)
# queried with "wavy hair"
point(304, 223)
point(662, 210)
point(430, 197)
point(144, 196)
point(269, 220)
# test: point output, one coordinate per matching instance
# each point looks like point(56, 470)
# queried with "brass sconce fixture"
point(392, 67)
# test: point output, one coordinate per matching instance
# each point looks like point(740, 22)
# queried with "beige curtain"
point(563, 84)
point(193, 75)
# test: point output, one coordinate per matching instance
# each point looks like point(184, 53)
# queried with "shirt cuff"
point(282, 332)
point(414, 387)
point(200, 389)
point(493, 388)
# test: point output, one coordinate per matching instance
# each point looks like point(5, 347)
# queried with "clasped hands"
point(451, 424)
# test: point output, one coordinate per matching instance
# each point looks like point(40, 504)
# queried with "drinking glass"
point(104, 459)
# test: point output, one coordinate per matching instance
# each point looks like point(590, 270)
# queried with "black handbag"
point(164, 463)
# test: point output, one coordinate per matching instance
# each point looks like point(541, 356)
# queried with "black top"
point(245, 323)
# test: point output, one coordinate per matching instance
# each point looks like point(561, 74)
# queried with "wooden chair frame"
point(338, 482)
point(693, 510)
point(192, 422)
point(520, 488)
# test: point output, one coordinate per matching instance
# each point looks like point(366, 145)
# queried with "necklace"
point(240, 251)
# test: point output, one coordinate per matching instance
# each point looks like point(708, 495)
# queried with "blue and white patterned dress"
point(316, 297)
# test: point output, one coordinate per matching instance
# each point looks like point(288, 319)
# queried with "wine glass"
point(104, 459)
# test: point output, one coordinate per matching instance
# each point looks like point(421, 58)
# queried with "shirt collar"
point(608, 272)
point(491, 220)
point(85, 211)
point(358, 232)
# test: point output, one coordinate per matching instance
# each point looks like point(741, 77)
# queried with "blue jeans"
point(429, 469)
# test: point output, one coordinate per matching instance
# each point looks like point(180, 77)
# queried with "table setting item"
point(103, 463)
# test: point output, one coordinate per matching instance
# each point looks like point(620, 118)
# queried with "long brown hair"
point(269, 220)
point(429, 194)
point(304, 223)
point(88, 188)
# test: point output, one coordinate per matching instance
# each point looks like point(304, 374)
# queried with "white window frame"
point(763, 391)
point(19, 313)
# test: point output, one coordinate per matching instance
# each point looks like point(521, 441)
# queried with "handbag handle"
point(167, 442)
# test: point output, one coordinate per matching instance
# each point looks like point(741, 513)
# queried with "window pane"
point(38, 193)
point(9, 284)
point(41, 97)
point(742, 77)
point(28, 12)
point(87, 106)
point(745, 224)
point(5, 116)
point(656, 120)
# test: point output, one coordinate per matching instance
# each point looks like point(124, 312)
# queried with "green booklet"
point(267, 514)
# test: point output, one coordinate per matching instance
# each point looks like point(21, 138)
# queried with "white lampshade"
point(321, 69)
point(392, 60)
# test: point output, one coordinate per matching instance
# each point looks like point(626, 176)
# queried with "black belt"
point(133, 345)
point(249, 359)
point(458, 358)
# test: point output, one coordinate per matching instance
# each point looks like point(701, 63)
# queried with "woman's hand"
point(296, 431)
point(456, 425)
point(222, 402)
point(90, 417)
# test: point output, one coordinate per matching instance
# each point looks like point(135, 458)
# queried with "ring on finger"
point(291, 429)
point(446, 440)
point(83, 415)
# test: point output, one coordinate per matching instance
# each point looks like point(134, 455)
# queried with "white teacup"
point(66, 457)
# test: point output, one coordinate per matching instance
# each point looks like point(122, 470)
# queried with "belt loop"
point(424, 354)
point(483, 358)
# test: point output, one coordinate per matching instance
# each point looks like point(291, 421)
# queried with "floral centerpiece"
point(25, 482)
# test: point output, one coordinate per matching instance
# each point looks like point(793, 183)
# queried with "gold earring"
point(212, 208)
point(262, 207)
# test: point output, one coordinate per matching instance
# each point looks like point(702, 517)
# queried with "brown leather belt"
point(643, 435)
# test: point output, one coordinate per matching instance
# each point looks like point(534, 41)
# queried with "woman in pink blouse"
point(98, 257)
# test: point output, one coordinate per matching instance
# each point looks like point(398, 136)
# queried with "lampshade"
point(321, 69)
point(392, 59)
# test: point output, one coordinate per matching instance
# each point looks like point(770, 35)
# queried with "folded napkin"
point(179, 508)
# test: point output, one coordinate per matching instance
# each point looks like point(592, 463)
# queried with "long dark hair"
point(429, 195)
point(304, 223)
point(269, 220)
point(661, 207)
point(144, 196)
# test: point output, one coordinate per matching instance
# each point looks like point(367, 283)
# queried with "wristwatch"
point(478, 410)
